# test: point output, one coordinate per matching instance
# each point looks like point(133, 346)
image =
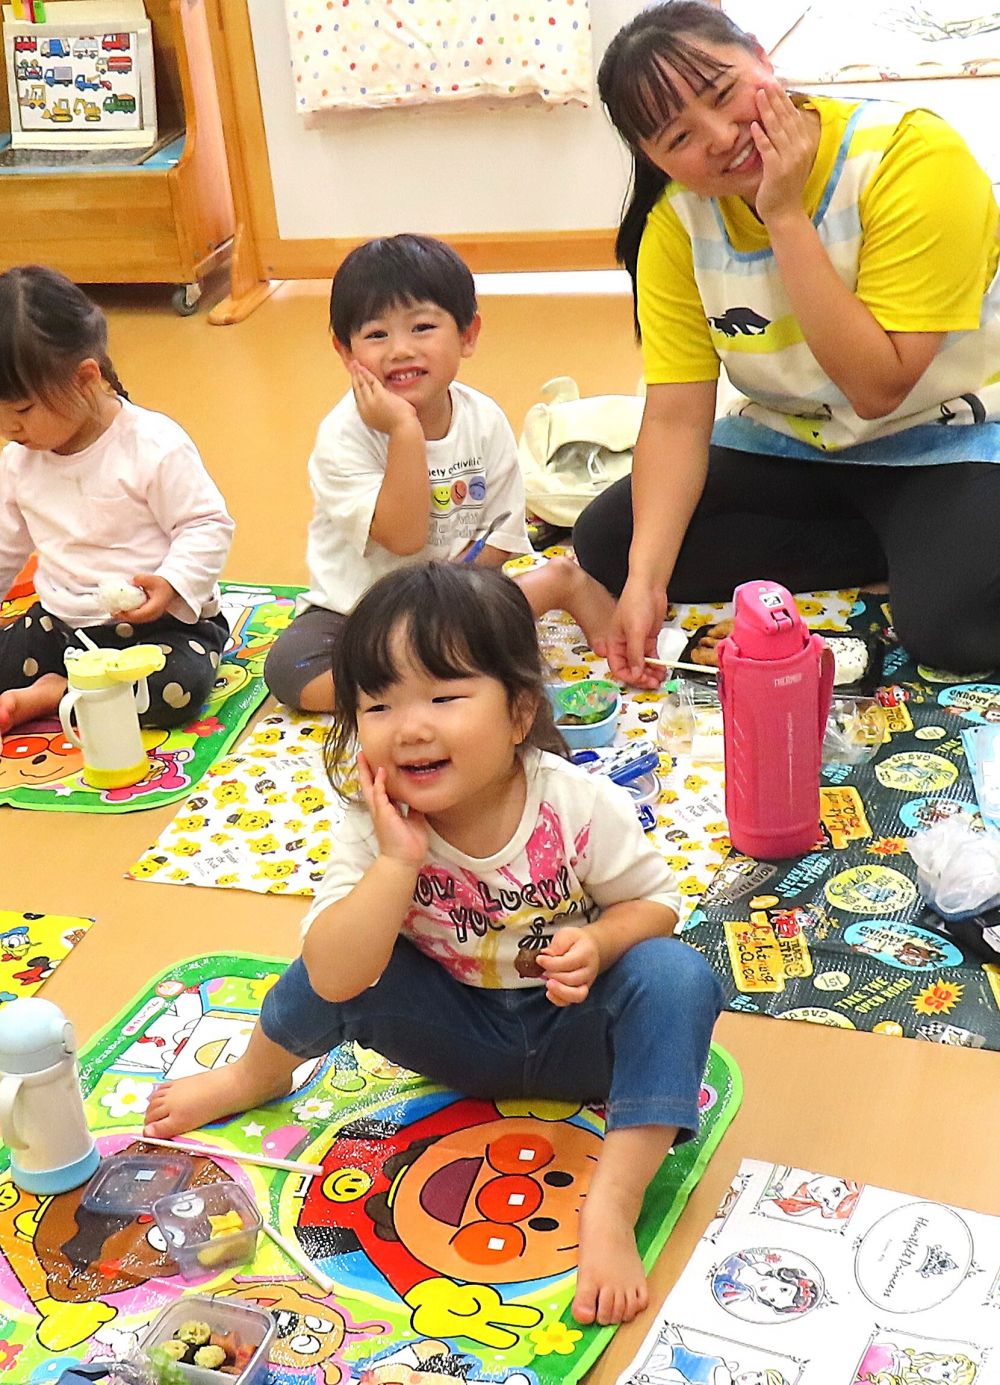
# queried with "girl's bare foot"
point(261, 1074)
point(610, 1280)
point(562, 585)
point(38, 699)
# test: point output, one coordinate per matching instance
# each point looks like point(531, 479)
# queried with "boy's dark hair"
point(394, 271)
point(459, 621)
point(48, 326)
point(638, 92)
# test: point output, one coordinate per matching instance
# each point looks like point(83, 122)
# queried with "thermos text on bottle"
point(106, 708)
point(41, 1106)
point(775, 686)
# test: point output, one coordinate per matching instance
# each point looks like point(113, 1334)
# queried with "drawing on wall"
point(810, 1278)
point(858, 40)
point(82, 84)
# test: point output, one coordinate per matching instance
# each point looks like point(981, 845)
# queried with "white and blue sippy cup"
point(41, 1105)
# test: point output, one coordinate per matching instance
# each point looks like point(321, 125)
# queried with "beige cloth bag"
point(571, 448)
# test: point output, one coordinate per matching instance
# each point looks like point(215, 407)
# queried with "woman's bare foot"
point(562, 585)
point(610, 1280)
point(261, 1074)
point(38, 699)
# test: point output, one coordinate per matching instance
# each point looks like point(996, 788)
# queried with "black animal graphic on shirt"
point(742, 321)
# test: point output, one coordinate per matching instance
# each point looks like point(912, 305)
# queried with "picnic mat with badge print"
point(840, 936)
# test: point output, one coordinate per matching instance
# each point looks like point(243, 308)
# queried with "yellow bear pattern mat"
point(261, 819)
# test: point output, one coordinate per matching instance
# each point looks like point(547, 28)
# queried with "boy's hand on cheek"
point(571, 963)
point(378, 407)
point(402, 839)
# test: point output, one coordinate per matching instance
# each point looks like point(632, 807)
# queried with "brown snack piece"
point(526, 963)
point(704, 652)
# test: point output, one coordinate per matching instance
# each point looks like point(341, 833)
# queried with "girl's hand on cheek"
point(402, 838)
point(784, 137)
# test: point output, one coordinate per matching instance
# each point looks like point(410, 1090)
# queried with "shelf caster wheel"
point(185, 299)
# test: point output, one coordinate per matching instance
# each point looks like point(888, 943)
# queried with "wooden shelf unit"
point(135, 224)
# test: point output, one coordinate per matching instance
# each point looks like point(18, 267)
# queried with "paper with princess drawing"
point(807, 1278)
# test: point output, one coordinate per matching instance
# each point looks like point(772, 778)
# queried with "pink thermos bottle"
point(775, 684)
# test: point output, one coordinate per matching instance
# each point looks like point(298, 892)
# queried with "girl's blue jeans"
point(638, 1043)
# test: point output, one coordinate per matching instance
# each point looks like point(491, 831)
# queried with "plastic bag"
point(958, 868)
point(570, 448)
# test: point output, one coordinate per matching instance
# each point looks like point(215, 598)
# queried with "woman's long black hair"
point(637, 89)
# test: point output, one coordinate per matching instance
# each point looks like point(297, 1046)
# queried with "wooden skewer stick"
point(677, 663)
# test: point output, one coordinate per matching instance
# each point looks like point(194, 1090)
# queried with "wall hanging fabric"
point(363, 54)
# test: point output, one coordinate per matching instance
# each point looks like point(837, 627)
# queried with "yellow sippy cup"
point(107, 707)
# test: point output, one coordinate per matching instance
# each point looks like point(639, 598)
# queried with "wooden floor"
point(896, 1112)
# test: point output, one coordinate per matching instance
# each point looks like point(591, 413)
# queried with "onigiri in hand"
point(114, 595)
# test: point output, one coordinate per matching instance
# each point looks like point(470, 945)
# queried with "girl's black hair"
point(48, 326)
point(637, 89)
point(459, 621)
point(394, 271)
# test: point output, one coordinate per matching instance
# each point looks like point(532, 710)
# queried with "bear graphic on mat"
point(740, 320)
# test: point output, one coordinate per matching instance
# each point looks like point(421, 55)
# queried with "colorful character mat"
point(809, 1279)
point(400, 1218)
point(841, 935)
point(40, 767)
point(31, 947)
point(262, 816)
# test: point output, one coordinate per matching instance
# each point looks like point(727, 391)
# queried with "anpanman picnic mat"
point(40, 768)
point(411, 1194)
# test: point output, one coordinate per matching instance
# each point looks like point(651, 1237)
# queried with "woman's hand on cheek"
point(401, 837)
point(785, 141)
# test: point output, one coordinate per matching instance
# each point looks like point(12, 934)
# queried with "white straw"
point(89, 643)
point(237, 1155)
point(299, 1257)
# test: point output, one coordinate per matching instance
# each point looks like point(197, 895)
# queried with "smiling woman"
point(839, 258)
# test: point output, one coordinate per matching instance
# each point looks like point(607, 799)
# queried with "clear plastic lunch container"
point(243, 1333)
point(690, 721)
point(127, 1184)
point(209, 1228)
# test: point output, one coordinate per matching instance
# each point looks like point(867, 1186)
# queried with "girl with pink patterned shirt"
point(492, 917)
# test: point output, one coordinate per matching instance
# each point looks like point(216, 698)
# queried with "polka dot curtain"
point(350, 54)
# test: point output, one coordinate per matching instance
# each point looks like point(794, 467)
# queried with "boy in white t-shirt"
point(410, 465)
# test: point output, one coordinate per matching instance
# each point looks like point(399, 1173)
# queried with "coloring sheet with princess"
point(810, 1279)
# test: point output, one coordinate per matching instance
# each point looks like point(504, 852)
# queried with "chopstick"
point(238, 1156)
point(677, 663)
point(298, 1257)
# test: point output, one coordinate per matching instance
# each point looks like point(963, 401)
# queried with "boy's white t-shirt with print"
point(577, 849)
point(473, 476)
